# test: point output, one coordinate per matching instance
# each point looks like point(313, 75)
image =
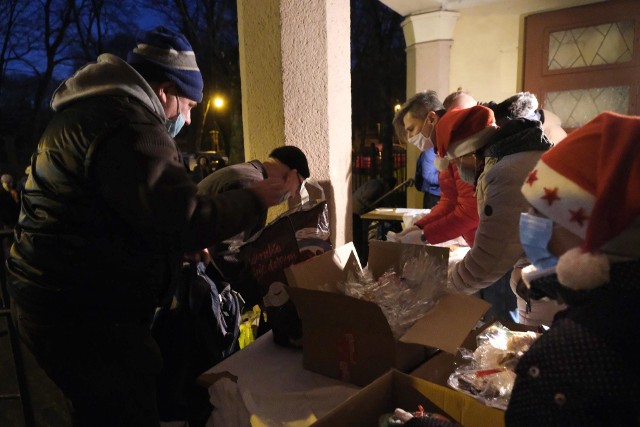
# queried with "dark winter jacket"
point(110, 209)
point(582, 372)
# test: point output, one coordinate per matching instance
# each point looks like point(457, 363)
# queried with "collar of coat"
point(516, 136)
point(624, 279)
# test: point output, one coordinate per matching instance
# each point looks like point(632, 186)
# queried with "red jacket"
point(456, 214)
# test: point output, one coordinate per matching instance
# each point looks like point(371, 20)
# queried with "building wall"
point(296, 90)
point(486, 55)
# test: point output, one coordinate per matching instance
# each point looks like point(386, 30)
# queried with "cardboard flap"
point(324, 272)
point(384, 255)
point(447, 324)
point(346, 312)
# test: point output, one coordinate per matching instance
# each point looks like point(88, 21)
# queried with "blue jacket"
point(427, 174)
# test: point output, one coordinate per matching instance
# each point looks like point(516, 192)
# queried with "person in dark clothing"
point(9, 203)
point(582, 236)
point(288, 162)
point(202, 169)
point(107, 214)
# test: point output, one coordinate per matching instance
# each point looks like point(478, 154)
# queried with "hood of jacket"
point(109, 75)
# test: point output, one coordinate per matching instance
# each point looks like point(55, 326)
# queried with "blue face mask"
point(535, 234)
point(174, 126)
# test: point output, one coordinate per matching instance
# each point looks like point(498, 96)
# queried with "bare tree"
point(17, 36)
point(58, 16)
point(378, 66)
point(97, 23)
point(211, 27)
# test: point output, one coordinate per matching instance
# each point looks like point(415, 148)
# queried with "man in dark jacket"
point(106, 216)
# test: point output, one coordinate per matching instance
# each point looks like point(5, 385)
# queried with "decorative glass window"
point(610, 43)
point(577, 107)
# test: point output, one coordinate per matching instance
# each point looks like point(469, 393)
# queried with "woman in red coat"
point(456, 214)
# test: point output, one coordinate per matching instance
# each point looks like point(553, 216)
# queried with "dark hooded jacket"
point(109, 208)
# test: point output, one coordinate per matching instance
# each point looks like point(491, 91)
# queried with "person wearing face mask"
point(107, 214)
point(582, 235)
point(455, 213)
point(495, 160)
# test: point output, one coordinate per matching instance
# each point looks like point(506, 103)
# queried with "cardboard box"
point(350, 339)
point(439, 367)
point(397, 390)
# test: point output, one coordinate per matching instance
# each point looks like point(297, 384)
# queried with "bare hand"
point(408, 230)
point(270, 191)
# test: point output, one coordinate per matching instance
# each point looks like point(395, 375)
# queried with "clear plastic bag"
point(403, 297)
point(489, 374)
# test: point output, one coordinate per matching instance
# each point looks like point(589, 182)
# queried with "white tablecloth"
point(272, 389)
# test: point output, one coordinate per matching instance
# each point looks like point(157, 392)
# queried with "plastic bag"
point(404, 297)
point(489, 375)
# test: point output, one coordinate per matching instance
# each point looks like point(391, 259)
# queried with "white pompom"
point(403, 415)
point(582, 270)
point(441, 163)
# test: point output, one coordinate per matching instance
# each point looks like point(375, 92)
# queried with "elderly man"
point(106, 216)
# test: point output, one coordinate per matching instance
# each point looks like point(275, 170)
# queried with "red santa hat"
point(464, 131)
point(589, 184)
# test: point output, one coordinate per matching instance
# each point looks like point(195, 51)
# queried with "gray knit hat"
point(165, 55)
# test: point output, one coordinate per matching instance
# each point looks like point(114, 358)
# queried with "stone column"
point(296, 90)
point(428, 37)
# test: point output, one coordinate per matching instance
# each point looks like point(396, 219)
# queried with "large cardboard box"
point(350, 339)
point(397, 390)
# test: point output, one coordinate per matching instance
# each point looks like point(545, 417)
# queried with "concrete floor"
point(48, 405)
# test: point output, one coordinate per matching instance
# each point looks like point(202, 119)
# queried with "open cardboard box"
point(350, 339)
point(439, 368)
point(397, 390)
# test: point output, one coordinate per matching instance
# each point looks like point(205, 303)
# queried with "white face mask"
point(422, 142)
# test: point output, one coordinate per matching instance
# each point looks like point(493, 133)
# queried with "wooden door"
point(584, 60)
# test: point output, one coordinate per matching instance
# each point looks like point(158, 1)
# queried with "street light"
point(218, 104)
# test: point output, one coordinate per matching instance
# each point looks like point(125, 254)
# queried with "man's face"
point(174, 104)
point(293, 182)
point(412, 124)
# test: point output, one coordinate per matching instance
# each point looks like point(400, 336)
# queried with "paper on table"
point(278, 377)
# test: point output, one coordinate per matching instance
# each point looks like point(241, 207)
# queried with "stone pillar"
point(296, 90)
point(428, 37)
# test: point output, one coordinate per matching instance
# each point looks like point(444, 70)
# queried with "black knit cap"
point(293, 157)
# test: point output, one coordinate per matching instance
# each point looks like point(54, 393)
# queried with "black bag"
point(198, 331)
